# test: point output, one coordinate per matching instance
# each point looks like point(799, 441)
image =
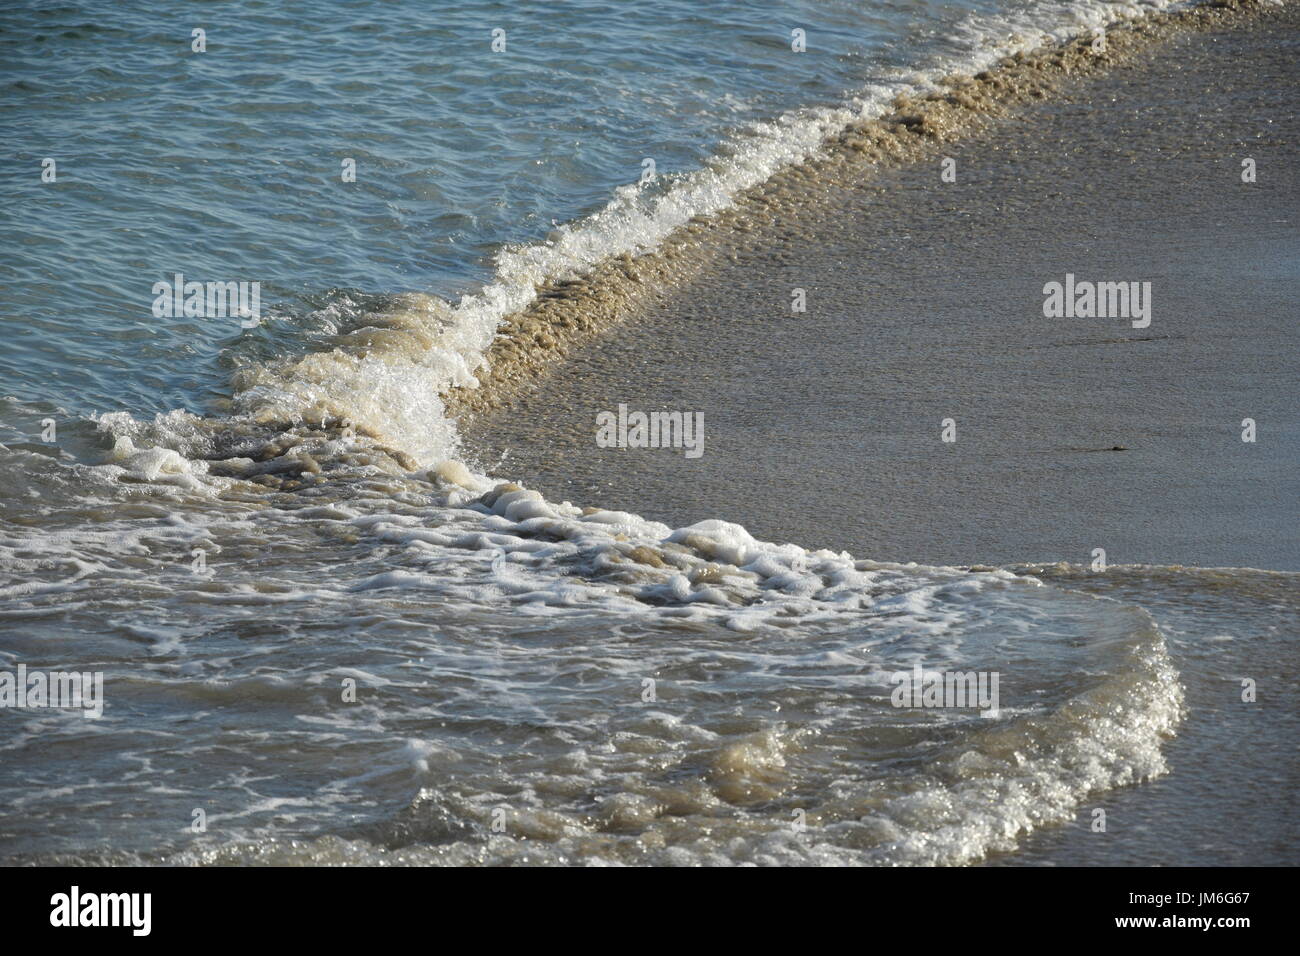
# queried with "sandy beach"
point(924, 303)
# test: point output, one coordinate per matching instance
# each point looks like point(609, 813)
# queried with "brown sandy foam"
point(572, 311)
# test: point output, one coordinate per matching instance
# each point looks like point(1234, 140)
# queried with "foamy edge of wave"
point(395, 382)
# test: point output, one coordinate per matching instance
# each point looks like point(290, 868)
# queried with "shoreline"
point(925, 304)
point(572, 311)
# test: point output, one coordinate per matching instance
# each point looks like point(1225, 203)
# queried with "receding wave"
point(393, 371)
point(502, 646)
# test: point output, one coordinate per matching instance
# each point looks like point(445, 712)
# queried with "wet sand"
point(925, 303)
